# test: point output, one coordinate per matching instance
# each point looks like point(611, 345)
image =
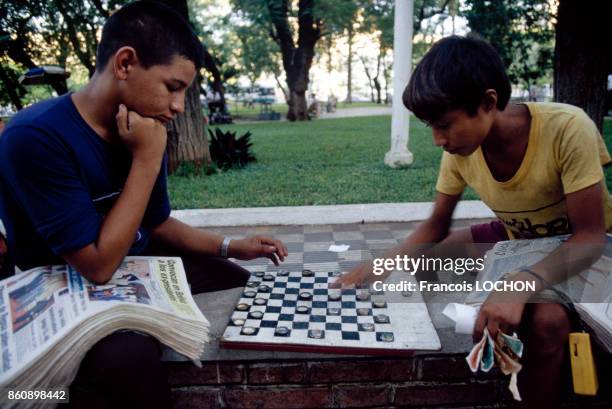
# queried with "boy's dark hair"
point(154, 30)
point(454, 74)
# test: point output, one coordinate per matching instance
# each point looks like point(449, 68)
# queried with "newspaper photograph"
point(40, 306)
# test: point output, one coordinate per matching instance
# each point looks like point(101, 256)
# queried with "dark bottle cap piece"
point(385, 337)
point(304, 295)
point(381, 319)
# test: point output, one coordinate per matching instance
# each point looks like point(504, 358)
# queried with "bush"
point(227, 151)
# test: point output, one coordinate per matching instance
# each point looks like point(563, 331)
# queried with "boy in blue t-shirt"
point(83, 181)
point(539, 168)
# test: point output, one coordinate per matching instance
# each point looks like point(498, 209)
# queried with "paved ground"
point(308, 247)
point(340, 113)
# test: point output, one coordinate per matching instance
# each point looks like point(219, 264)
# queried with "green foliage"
point(522, 33)
point(227, 151)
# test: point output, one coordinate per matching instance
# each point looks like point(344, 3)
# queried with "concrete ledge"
point(336, 214)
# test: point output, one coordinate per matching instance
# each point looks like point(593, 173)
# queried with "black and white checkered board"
point(297, 311)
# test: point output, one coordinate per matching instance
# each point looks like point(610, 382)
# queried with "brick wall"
point(349, 383)
point(431, 381)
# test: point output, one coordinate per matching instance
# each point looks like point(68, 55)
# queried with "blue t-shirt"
point(58, 179)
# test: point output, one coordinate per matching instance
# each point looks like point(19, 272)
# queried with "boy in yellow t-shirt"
point(538, 166)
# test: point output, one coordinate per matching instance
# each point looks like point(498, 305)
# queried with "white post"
point(399, 155)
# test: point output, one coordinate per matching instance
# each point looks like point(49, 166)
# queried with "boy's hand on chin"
point(144, 137)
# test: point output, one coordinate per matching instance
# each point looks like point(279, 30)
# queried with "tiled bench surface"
point(272, 379)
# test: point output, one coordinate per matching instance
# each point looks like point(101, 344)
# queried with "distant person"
point(538, 166)
point(83, 181)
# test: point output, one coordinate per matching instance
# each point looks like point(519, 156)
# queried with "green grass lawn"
point(333, 161)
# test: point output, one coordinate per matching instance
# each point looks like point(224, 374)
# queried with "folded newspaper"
point(590, 291)
point(51, 316)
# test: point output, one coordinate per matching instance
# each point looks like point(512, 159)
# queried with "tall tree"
point(582, 63)
point(522, 33)
point(296, 27)
point(377, 18)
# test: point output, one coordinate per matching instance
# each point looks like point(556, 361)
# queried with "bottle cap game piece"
point(248, 331)
point(363, 296)
point(316, 333)
point(249, 294)
point(256, 314)
point(259, 301)
point(363, 311)
point(282, 331)
point(242, 307)
point(385, 337)
point(302, 309)
point(381, 319)
point(366, 326)
point(304, 295)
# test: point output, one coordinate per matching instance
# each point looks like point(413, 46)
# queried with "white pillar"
point(399, 155)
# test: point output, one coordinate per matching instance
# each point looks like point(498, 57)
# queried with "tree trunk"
point(187, 140)
point(296, 60)
point(581, 63)
point(349, 67)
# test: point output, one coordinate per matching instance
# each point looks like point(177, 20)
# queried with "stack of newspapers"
point(51, 316)
point(589, 291)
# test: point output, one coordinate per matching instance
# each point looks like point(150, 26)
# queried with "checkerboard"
point(409, 326)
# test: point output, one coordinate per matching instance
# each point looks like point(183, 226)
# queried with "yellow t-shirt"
point(565, 153)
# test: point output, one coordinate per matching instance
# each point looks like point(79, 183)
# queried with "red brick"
point(360, 396)
point(361, 371)
point(446, 368)
point(439, 394)
point(276, 398)
point(195, 398)
point(276, 373)
point(187, 374)
point(230, 372)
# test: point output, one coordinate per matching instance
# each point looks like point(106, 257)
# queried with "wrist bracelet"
point(529, 271)
point(225, 246)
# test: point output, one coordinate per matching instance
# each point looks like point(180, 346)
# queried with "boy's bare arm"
point(432, 230)
point(146, 140)
point(189, 239)
point(586, 216)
